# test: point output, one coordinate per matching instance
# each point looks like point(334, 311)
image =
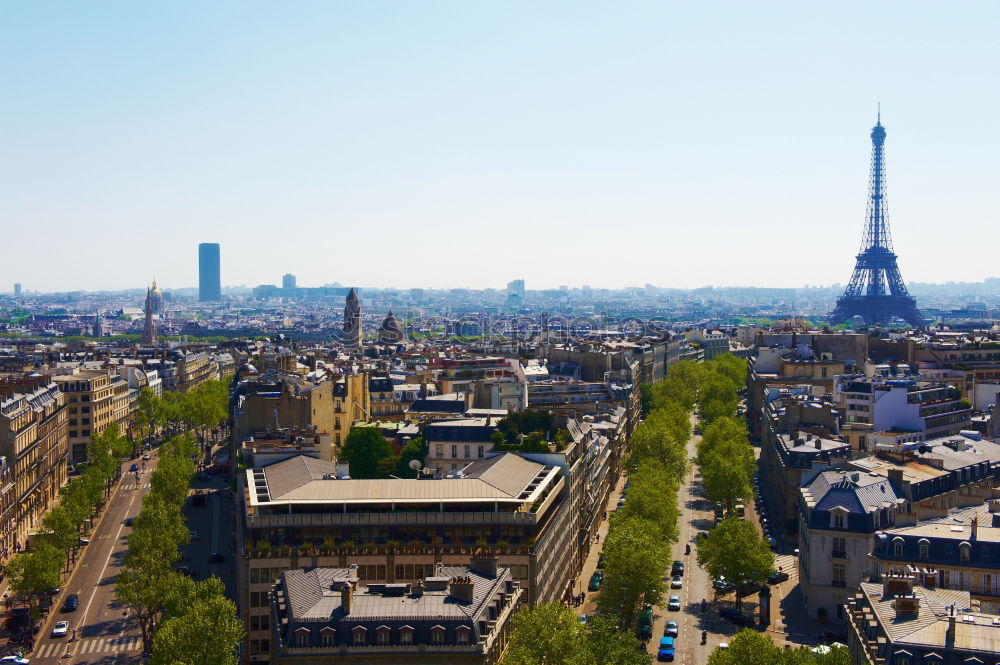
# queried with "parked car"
point(600, 560)
point(14, 660)
point(129, 521)
point(722, 585)
point(670, 630)
point(777, 577)
point(72, 602)
point(666, 651)
point(645, 624)
point(60, 629)
point(194, 535)
point(145, 456)
point(184, 570)
point(677, 582)
point(583, 619)
point(677, 568)
point(674, 604)
point(216, 557)
point(595, 582)
point(83, 541)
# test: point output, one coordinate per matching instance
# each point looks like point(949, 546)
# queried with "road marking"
point(107, 561)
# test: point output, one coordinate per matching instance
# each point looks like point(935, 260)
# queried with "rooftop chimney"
point(949, 638)
point(461, 588)
point(484, 563)
point(975, 528)
point(346, 597)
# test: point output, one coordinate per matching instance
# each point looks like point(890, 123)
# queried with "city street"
point(103, 633)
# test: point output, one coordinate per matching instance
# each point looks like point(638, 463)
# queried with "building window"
point(302, 637)
point(838, 575)
point(328, 637)
point(84, 409)
point(462, 634)
point(437, 635)
point(897, 546)
point(840, 548)
point(480, 452)
point(925, 549)
point(406, 635)
point(382, 634)
point(838, 521)
point(466, 451)
point(454, 451)
point(265, 646)
point(439, 450)
point(963, 552)
point(359, 636)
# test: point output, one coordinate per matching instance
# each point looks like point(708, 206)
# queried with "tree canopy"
point(364, 448)
point(736, 550)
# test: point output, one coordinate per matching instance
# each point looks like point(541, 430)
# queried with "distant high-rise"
point(17, 289)
point(515, 293)
point(209, 274)
point(288, 281)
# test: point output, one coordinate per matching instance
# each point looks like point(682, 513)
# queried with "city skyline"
point(697, 144)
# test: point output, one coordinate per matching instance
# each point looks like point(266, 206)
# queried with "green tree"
point(634, 555)
point(747, 647)
point(727, 475)
point(415, 449)
point(736, 550)
point(645, 398)
point(653, 497)
point(182, 638)
point(363, 449)
point(607, 645)
point(38, 570)
point(149, 413)
point(547, 634)
point(60, 524)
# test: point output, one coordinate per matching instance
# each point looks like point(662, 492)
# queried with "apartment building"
point(899, 622)
point(453, 444)
point(34, 446)
point(298, 514)
point(457, 615)
point(95, 398)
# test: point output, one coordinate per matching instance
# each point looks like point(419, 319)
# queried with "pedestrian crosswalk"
point(80, 647)
point(134, 486)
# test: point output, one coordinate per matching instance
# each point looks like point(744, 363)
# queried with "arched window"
point(359, 636)
point(897, 546)
point(437, 635)
point(964, 550)
point(382, 634)
point(925, 548)
point(328, 636)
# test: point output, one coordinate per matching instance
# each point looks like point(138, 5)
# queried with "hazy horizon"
point(446, 144)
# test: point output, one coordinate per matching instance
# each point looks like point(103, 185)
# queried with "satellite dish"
point(415, 464)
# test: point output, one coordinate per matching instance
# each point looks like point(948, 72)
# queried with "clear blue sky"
point(469, 143)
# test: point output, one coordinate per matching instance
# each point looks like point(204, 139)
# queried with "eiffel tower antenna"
point(876, 292)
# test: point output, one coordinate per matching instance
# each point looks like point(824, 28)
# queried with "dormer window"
point(838, 518)
point(406, 635)
point(964, 552)
point(328, 636)
point(359, 636)
point(925, 548)
point(463, 634)
point(897, 546)
point(301, 637)
point(437, 635)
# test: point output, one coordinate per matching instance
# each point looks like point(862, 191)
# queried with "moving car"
point(666, 650)
point(60, 629)
point(670, 630)
point(777, 577)
point(674, 604)
point(677, 568)
point(677, 582)
point(129, 521)
point(72, 602)
point(133, 468)
point(145, 456)
point(15, 660)
point(595, 582)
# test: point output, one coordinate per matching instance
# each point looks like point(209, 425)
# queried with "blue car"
point(666, 650)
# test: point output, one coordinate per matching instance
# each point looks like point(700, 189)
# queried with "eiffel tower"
point(877, 292)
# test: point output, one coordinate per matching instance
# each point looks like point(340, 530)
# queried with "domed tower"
point(390, 332)
point(148, 326)
point(156, 299)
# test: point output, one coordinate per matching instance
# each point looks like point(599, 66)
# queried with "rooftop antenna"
point(878, 114)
